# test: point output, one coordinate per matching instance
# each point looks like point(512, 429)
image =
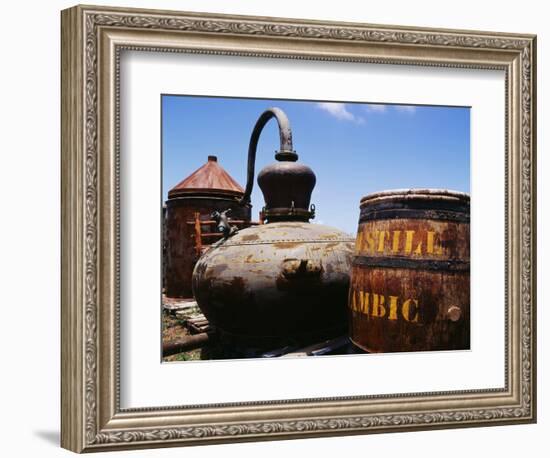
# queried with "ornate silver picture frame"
point(93, 39)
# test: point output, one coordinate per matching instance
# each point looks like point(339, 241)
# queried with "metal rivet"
point(454, 313)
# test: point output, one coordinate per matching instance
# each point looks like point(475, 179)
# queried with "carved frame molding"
point(92, 39)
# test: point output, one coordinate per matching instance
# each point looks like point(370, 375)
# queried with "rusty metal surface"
point(210, 178)
point(279, 280)
point(209, 188)
point(287, 188)
point(410, 281)
point(180, 254)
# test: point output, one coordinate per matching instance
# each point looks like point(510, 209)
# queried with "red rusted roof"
point(211, 178)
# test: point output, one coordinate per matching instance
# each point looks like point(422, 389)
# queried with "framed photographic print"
point(278, 228)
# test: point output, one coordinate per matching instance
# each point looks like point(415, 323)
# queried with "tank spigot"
point(222, 223)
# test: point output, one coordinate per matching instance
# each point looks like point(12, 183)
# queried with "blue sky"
point(354, 149)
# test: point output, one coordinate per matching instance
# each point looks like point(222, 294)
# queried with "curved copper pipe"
point(285, 153)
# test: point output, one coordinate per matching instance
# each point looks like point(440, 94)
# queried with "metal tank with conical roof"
point(209, 188)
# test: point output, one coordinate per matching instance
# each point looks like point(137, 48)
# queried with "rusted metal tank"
point(410, 282)
point(284, 279)
point(278, 279)
point(207, 189)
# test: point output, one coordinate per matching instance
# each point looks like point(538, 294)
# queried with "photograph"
point(295, 228)
point(265, 225)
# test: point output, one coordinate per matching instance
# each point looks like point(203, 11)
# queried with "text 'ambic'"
point(380, 306)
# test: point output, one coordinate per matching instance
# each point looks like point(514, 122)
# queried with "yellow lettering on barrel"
point(430, 242)
point(438, 249)
point(359, 301)
point(378, 309)
point(381, 241)
point(359, 242)
point(370, 242)
point(431, 246)
point(393, 308)
point(351, 299)
point(365, 303)
point(375, 236)
point(395, 242)
point(407, 310)
point(409, 241)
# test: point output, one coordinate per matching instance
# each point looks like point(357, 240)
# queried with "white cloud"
point(376, 108)
point(405, 108)
point(339, 111)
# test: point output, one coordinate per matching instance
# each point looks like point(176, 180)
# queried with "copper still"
point(284, 279)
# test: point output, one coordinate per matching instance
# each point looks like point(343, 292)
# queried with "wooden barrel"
point(410, 282)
